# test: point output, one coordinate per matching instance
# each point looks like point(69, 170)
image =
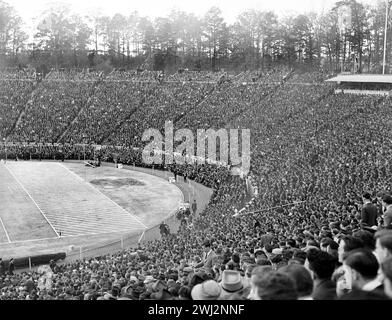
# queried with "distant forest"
point(350, 35)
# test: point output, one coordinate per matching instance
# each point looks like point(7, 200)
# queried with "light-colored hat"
point(149, 279)
point(231, 281)
point(208, 290)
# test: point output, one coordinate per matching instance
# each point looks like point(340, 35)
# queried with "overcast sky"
point(29, 9)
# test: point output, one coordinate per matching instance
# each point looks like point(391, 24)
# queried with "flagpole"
point(385, 36)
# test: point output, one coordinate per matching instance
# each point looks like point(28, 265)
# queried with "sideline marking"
point(32, 200)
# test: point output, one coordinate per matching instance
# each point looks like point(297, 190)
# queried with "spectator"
point(257, 274)
point(384, 246)
point(232, 285)
point(208, 290)
point(2, 266)
point(302, 279)
point(276, 286)
point(11, 266)
point(209, 258)
point(347, 244)
point(387, 204)
point(369, 212)
point(194, 207)
point(361, 269)
point(321, 265)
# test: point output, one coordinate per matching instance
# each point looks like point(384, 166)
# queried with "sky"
point(28, 9)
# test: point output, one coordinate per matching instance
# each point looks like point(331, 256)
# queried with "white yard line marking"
point(5, 230)
point(116, 204)
point(43, 214)
point(141, 237)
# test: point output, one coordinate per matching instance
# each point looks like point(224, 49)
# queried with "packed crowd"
point(320, 160)
point(14, 94)
point(73, 75)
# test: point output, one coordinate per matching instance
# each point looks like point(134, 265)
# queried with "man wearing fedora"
point(232, 285)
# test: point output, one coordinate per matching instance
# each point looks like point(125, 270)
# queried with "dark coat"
point(369, 215)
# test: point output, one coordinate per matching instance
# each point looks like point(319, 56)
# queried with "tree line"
point(257, 39)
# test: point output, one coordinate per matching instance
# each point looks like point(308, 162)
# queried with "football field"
point(48, 201)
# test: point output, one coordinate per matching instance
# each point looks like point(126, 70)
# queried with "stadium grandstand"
point(319, 164)
point(96, 205)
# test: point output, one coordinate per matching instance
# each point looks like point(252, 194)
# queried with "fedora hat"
point(231, 281)
point(208, 290)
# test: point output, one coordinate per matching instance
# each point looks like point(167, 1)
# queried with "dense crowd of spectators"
point(321, 160)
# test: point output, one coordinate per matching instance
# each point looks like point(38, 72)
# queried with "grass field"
point(41, 201)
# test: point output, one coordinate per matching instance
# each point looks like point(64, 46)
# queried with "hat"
point(149, 279)
point(208, 290)
point(231, 281)
point(188, 270)
point(277, 251)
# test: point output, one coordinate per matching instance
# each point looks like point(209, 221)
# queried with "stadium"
point(84, 216)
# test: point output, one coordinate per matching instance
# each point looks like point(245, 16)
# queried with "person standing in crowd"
point(11, 266)
point(387, 204)
point(369, 212)
point(209, 258)
point(194, 207)
point(378, 204)
point(2, 267)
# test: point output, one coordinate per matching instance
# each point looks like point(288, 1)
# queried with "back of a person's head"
point(321, 263)
point(291, 243)
point(301, 277)
point(276, 286)
point(367, 196)
point(352, 243)
point(185, 293)
point(258, 272)
point(363, 261)
point(367, 238)
point(334, 245)
point(299, 255)
point(236, 258)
